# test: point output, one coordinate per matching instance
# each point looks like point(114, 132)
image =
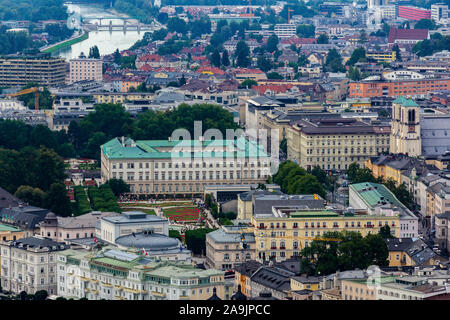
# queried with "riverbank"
point(66, 43)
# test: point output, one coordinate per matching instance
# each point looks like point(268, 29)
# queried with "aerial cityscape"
point(224, 150)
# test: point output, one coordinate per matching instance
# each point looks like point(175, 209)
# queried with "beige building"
point(184, 167)
point(229, 246)
point(29, 264)
point(333, 144)
point(357, 289)
point(41, 69)
point(85, 69)
point(405, 134)
point(286, 231)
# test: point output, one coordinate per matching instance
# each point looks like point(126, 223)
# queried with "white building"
point(113, 227)
point(379, 200)
point(285, 30)
point(9, 104)
point(439, 12)
point(29, 264)
point(117, 275)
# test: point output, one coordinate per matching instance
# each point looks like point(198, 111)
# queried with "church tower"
point(405, 128)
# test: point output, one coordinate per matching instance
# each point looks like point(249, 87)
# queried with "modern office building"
point(41, 69)
point(113, 274)
point(439, 11)
point(285, 30)
point(183, 167)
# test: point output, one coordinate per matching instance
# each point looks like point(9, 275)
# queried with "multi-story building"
point(118, 275)
point(439, 11)
point(41, 69)
point(442, 227)
point(333, 144)
point(161, 167)
point(411, 252)
point(29, 264)
point(262, 201)
point(396, 88)
point(69, 228)
point(381, 56)
point(285, 30)
point(83, 68)
point(287, 230)
point(407, 36)
point(229, 246)
point(412, 13)
point(115, 226)
point(377, 199)
point(10, 233)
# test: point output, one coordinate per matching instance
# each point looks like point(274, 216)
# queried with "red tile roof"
point(407, 34)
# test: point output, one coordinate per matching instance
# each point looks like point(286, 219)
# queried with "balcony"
point(132, 290)
point(86, 290)
point(295, 227)
point(183, 298)
point(106, 284)
point(273, 248)
point(84, 279)
point(282, 248)
point(158, 294)
point(118, 287)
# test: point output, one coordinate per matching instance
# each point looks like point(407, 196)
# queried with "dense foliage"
point(196, 240)
point(33, 10)
point(352, 251)
point(295, 180)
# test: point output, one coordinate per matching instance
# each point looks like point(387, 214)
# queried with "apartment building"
point(285, 30)
point(411, 252)
point(287, 230)
point(229, 246)
point(185, 166)
point(41, 69)
point(113, 274)
point(83, 68)
point(439, 11)
point(381, 56)
point(29, 264)
point(395, 88)
point(377, 199)
point(333, 144)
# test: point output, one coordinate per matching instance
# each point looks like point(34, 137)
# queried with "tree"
point(398, 56)
point(323, 39)
point(215, 58)
point(176, 24)
point(242, 54)
point(196, 240)
point(248, 83)
point(333, 62)
point(306, 30)
point(354, 73)
point(357, 55)
point(225, 58)
point(118, 186)
point(272, 43)
point(117, 56)
point(264, 64)
point(56, 200)
point(94, 52)
point(362, 37)
point(385, 232)
point(40, 295)
point(274, 75)
point(425, 24)
point(175, 234)
point(33, 196)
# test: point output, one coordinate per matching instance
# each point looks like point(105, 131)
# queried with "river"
point(106, 41)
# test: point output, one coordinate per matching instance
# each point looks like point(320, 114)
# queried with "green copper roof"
point(314, 214)
point(4, 227)
point(405, 102)
point(164, 149)
point(371, 193)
